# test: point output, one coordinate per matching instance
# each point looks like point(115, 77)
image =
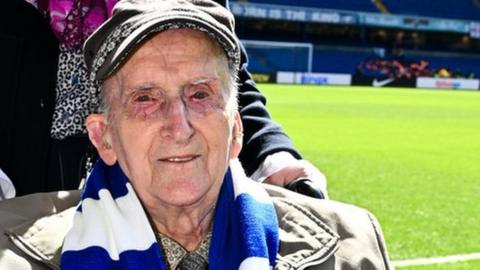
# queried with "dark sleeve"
point(262, 136)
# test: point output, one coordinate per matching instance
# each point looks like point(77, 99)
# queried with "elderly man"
point(168, 192)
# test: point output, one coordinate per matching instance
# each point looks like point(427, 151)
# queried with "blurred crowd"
point(400, 67)
point(392, 68)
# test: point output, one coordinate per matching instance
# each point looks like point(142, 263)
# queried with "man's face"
point(168, 125)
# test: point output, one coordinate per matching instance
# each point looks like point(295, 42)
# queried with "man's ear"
point(237, 136)
point(100, 137)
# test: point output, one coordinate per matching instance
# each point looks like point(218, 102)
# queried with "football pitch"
point(410, 156)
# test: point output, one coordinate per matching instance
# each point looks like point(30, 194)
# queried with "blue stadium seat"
point(337, 61)
point(458, 9)
point(324, 60)
point(271, 60)
point(464, 64)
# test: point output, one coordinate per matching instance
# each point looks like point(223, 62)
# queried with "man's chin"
point(185, 198)
point(182, 192)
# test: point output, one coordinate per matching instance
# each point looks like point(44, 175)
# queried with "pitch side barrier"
point(447, 83)
point(285, 77)
point(314, 78)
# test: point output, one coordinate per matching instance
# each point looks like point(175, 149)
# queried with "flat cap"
point(133, 21)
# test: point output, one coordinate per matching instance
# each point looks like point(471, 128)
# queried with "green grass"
point(410, 156)
point(469, 265)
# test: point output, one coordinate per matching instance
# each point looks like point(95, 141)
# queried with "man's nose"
point(177, 126)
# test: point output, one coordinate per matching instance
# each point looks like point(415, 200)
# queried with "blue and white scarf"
point(111, 229)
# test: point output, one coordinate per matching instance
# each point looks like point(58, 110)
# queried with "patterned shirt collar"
point(173, 252)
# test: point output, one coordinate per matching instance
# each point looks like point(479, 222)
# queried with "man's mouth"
point(180, 159)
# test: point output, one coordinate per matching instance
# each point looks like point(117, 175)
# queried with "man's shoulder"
point(34, 225)
point(326, 227)
point(36, 205)
point(324, 209)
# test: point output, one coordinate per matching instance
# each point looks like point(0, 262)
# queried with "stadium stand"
point(460, 64)
point(346, 34)
point(338, 60)
point(268, 60)
point(271, 56)
point(459, 9)
point(355, 5)
point(346, 59)
point(333, 59)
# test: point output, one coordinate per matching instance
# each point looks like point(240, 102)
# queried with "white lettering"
point(275, 14)
point(293, 15)
point(255, 12)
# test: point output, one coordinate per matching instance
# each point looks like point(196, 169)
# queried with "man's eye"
point(143, 98)
point(200, 95)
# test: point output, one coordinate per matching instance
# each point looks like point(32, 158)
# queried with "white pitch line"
point(437, 260)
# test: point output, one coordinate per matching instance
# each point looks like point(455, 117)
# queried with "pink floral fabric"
point(73, 21)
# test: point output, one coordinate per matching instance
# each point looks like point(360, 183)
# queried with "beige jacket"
point(314, 234)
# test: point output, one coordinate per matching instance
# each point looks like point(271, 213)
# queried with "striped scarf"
point(111, 230)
